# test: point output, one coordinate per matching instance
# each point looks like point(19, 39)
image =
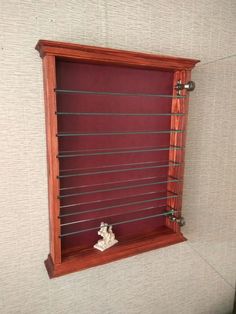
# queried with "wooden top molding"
point(112, 56)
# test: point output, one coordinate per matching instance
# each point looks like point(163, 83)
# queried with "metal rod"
point(85, 92)
point(116, 165)
point(117, 170)
point(108, 183)
point(111, 149)
point(112, 199)
point(116, 114)
point(118, 188)
point(115, 215)
point(121, 152)
point(120, 205)
point(113, 182)
point(171, 212)
point(119, 133)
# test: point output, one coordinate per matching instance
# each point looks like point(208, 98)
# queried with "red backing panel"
point(113, 169)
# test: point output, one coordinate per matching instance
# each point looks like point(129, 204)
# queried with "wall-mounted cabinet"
point(116, 127)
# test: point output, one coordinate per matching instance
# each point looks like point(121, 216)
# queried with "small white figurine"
point(108, 237)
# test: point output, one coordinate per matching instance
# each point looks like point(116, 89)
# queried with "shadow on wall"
point(234, 310)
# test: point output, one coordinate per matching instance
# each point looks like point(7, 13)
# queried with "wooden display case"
point(116, 127)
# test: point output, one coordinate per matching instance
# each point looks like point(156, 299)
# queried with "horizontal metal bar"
point(86, 92)
point(110, 216)
point(116, 114)
point(120, 205)
point(110, 183)
point(118, 188)
point(118, 170)
point(112, 199)
point(119, 133)
point(157, 149)
point(171, 212)
point(109, 149)
point(117, 165)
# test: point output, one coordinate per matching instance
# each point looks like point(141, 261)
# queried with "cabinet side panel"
point(179, 105)
point(52, 151)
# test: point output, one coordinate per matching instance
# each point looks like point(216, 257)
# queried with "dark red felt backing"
point(85, 182)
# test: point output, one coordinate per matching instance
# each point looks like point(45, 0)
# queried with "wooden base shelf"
point(92, 257)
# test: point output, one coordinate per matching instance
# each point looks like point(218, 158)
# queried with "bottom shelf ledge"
point(80, 260)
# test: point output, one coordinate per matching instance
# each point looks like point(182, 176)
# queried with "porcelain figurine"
point(108, 236)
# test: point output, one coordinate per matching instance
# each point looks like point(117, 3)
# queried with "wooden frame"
point(58, 263)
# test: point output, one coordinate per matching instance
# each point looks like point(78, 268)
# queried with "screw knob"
point(190, 86)
point(181, 221)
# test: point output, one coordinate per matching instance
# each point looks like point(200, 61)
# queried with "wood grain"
point(52, 152)
point(112, 56)
point(179, 105)
point(58, 262)
point(92, 257)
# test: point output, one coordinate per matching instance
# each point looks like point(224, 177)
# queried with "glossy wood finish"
point(179, 105)
point(112, 56)
point(52, 151)
point(58, 262)
point(90, 258)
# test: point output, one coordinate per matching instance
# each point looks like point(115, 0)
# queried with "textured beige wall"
point(196, 277)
